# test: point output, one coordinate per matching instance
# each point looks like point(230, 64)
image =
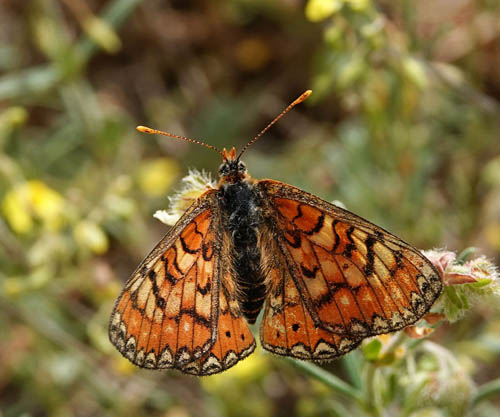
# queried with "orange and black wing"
point(353, 278)
point(287, 327)
point(233, 342)
point(169, 313)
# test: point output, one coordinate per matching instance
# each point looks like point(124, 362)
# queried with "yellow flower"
point(30, 201)
point(47, 204)
point(15, 207)
point(90, 235)
point(246, 370)
point(415, 72)
point(123, 366)
point(156, 176)
point(317, 10)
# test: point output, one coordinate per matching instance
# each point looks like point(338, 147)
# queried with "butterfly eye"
point(224, 169)
point(241, 167)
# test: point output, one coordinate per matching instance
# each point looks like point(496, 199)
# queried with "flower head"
point(193, 185)
point(465, 282)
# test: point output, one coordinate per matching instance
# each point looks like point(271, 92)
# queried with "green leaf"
point(481, 283)
point(462, 257)
point(486, 391)
point(453, 297)
point(372, 349)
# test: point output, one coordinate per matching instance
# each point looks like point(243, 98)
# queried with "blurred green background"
point(402, 127)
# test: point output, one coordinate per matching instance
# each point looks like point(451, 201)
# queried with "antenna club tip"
point(303, 96)
point(144, 129)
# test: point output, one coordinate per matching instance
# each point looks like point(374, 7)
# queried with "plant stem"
point(371, 405)
point(351, 364)
point(486, 390)
point(330, 380)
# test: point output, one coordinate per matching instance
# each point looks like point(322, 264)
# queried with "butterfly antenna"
point(300, 99)
point(145, 129)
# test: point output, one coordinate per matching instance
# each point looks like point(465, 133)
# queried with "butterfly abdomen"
point(242, 219)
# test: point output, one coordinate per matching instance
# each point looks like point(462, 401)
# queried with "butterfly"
point(325, 277)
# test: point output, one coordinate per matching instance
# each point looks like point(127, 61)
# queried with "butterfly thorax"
point(240, 203)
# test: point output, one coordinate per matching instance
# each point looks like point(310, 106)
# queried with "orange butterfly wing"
point(353, 278)
point(168, 313)
point(287, 327)
point(234, 342)
point(233, 339)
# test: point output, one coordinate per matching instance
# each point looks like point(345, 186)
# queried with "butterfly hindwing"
point(233, 339)
point(353, 277)
point(287, 327)
point(234, 342)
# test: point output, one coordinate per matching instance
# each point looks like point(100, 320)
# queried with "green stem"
point(337, 409)
point(462, 256)
point(414, 343)
point(486, 390)
point(115, 14)
point(351, 364)
point(371, 400)
point(330, 380)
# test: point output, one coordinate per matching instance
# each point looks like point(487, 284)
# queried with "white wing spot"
point(150, 361)
point(300, 351)
point(139, 359)
point(165, 359)
point(212, 364)
point(345, 300)
point(324, 349)
point(230, 359)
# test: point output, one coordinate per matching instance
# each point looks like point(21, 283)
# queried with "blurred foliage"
point(402, 127)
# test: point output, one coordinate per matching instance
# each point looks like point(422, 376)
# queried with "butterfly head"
point(232, 169)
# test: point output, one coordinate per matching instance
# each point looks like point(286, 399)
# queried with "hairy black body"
point(240, 205)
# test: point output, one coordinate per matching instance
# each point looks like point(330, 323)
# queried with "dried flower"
point(193, 185)
point(465, 281)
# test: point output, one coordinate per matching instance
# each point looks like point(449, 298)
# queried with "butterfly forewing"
point(353, 277)
point(166, 315)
